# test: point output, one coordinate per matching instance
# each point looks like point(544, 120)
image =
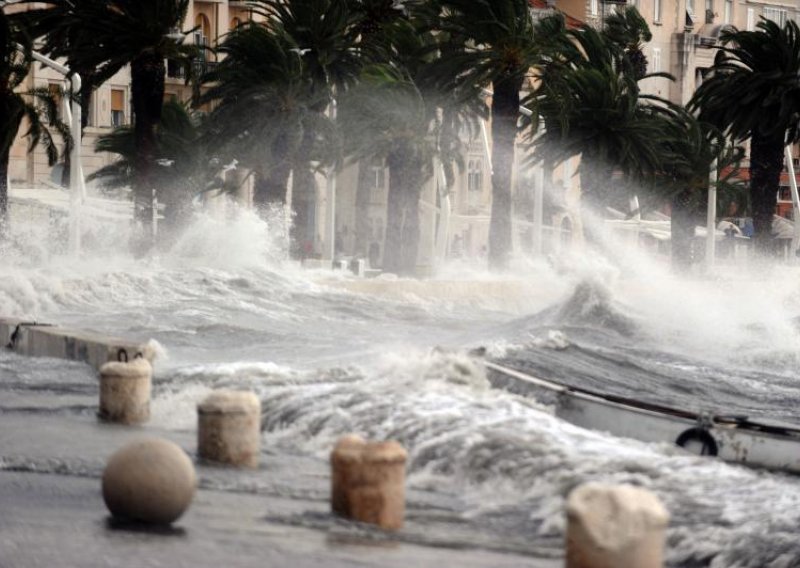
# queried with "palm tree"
point(15, 63)
point(324, 33)
point(627, 31)
point(501, 48)
point(264, 108)
point(403, 113)
point(591, 106)
point(105, 36)
point(690, 151)
point(43, 22)
point(373, 19)
point(753, 91)
point(185, 167)
point(390, 108)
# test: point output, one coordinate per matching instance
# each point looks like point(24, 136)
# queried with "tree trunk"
point(766, 164)
point(595, 179)
point(363, 190)
point(270, 188)
point(304, 190)
point(411, 236)
point(505, 113)
point(147, 94)
point(85, 96)
point(4, 157)
point(683, 220)
point(402, 214)
point(86, 93)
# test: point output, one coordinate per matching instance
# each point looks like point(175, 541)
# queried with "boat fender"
point(708, 443)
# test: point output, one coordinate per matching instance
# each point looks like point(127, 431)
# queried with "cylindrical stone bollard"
point(125, 391)
point(150, 480)
point(615, 526)
point(229, 428)
point(368, 481)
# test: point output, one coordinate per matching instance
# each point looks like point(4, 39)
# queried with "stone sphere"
point(150, 480)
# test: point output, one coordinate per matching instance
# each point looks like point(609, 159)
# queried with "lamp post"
point(795, 201)
point(711, 219)
point(76, 185)
point(331, 209)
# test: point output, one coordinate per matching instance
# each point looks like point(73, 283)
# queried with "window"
point(203, 32)
point(690, 6)
point(57, 93)
point(475, 175)
point(657, 11)
point(377, 182)
point(751, 19)
point(777, 15)
point(90, 111)
point(656, 59)
point(117, 107)
point(593, 7)
point(175, 69)
point(728, 17)
point(200, 63)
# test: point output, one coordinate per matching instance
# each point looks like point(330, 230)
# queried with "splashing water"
point(330, 354)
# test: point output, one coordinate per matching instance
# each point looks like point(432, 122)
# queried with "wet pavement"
point(52, 512)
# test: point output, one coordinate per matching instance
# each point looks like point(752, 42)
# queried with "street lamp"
point(73, 115)
point(176, 35)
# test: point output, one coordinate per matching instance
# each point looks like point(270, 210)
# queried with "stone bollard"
point(368, 481)
point(150, 480)
point(615, 526)
point(125, 391)
point(229, 428)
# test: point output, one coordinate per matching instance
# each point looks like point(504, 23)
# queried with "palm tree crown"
point(753, 91)
point(15, 63)
point(502, 46)
point(104, 36)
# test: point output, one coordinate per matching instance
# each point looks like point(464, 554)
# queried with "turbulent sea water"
point(330, 354)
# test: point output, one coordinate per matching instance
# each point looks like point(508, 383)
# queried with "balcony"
point(200, 66)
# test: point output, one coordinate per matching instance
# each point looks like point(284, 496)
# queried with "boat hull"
point(733, 439)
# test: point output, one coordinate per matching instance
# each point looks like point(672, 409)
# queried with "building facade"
point(685, 34)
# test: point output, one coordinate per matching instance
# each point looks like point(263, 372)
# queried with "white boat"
point(738, 439)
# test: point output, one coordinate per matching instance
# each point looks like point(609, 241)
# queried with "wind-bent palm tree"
point(502, 47)
point(44, 22)
point(403, 113)
point(324, 33)
point(690, 151)
point(591, 106)
point(373, 19)
point(753, 91)
point(185, 167)
point(264, 108)
point(627, 31)
point(15, 63)
point(389, 106)
point(105, 36)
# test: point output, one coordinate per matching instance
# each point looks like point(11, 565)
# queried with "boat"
point(757, 443)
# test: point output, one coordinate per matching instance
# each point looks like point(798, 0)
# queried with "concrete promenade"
point(52, 454)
